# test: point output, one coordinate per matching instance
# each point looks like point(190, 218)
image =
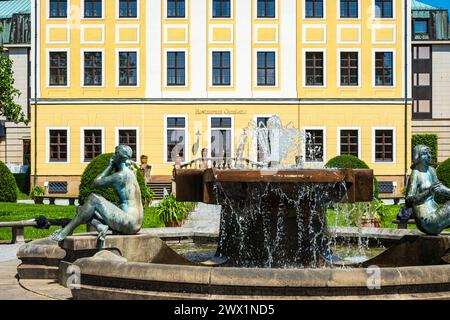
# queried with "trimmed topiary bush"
point(429, 140)
point(347, 161)
point(97, 166)
point(443, 174)
point(8, 185)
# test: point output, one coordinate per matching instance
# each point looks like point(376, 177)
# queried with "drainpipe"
point(406, 23)
point(35, 90)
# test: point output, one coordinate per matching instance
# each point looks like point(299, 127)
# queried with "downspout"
point(35, 91)
point(406, 90)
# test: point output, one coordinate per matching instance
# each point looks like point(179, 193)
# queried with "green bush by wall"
point(8, 185)
point(429, 140)
point(97, 166)
point(443, 173)
point(347, 161)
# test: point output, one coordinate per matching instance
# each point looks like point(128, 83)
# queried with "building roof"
point(10, 7)
point(417, 5)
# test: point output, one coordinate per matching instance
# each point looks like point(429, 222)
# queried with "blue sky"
point(438, 3)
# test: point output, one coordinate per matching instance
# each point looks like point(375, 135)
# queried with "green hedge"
point(97, 166)
point(347, 161)
point(8, 185)
point(443, 173)
point(429, 140)
point(23, 181)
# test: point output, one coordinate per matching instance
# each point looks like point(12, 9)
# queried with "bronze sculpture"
point(128, 217)
point(422, 186)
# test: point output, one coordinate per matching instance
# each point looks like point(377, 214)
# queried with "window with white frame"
point(176, 68)
point(58, 145)
point(128, 8)
point(384, 145)
point(93, 8)
point(176, 8)
point(176, 132)
point(349, 142)
point(266, 69)
point(221, 9)
point(266, 9)
point(314, 145)
point(58, 68)
point(314, 65)
point(384, 69)
point(92, 144)
point(129, 137)
point(384, 8)
point(314, 8)
point(349, 65)
point(128, 68)
point(93, 68)
point(221, 68)
point(58, 9)
point(221, 134)
point(349, 8)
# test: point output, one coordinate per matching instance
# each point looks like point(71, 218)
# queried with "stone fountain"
point(274, 241)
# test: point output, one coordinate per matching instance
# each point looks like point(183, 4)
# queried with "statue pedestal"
point(48, 259)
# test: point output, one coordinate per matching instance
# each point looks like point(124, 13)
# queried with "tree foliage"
point(8, 107)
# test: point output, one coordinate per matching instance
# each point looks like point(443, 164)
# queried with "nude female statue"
point(423, 184)
point(102, 214)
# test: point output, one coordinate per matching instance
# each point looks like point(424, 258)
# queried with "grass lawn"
point(19, 211)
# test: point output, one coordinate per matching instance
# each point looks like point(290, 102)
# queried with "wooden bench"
point(51, 199)
point(403, 224)
point(396, 198)
point(18, 227)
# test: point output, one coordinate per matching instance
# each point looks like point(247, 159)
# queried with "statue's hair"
point(417, 153)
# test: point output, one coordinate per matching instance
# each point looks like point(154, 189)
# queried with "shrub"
point(429, 140)
point(97, 166)
point(8, 185)
point(443, 174)
point(36, 191)
point(347, 161)
point(173, 212)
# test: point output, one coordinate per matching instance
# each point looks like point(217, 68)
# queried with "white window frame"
point(210, 129)
point(394, 11)
point(47, 145)
point(82, 133)
point(338, 72)
point(211, 3)
point(263, 19)
point(82, 67)
point(86, 26)
point(324, 160)
point(57, 19)
point(186, 11)
point(338, 13)
point(82, 17)
point(255, 142)
point(324, 51)
point(138, 139)
point(48, 51)
point(138, 71)
point(339, 129)
point(210, 68)
point(186, 67)
point(255, 67)
point(186, 135)
point(394, 67)
point(312, 19)
point(394, 145)
point(138, 9)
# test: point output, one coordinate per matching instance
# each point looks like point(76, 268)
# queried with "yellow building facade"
point(151, 71)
